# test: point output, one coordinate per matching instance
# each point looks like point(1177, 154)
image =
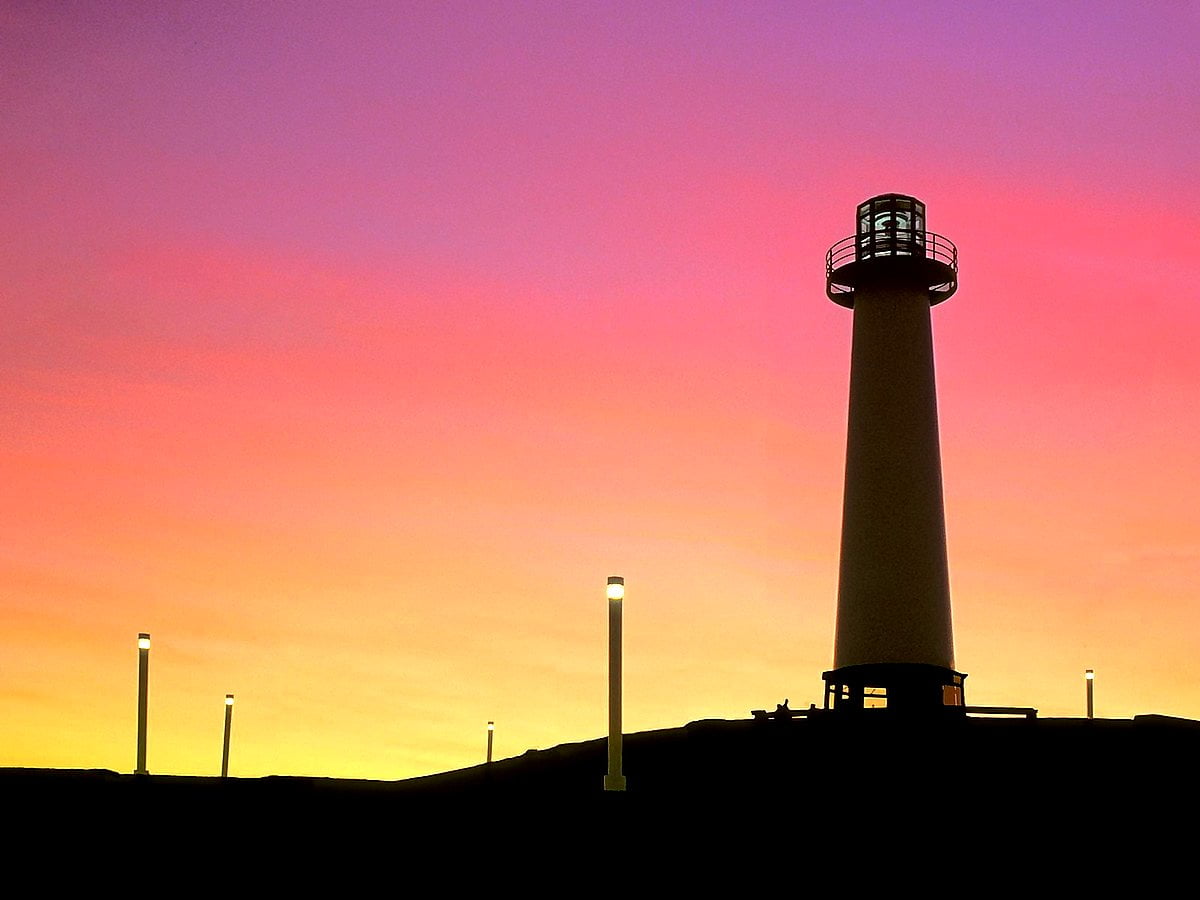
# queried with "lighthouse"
point(894, 642)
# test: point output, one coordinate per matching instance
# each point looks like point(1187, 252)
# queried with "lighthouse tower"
point(894, 646)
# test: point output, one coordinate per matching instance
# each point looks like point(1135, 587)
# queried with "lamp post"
point(1090, 677)
point(614, 780)
point(491, 731)
point(228, 727)
point(143, 644)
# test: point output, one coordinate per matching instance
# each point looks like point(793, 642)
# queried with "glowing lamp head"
point(143, 641)
point(229, 699)
point(491, 726)
point(616, 587)
point(1089, 675)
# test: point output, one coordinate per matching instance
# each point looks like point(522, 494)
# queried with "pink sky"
point(349, 347)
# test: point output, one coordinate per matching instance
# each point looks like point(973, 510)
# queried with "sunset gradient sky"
point(347, 348)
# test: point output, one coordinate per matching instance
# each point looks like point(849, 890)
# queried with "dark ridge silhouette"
point(712, 808)
point(744, 784)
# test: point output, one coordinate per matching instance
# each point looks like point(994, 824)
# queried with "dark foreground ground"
point(763, 797)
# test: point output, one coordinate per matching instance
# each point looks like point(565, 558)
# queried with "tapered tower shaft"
point(893, 582)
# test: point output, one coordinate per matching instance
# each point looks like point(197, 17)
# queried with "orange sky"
point(348, 358)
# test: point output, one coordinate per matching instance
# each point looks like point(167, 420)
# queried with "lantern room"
point(890, 225)
point(890, 241)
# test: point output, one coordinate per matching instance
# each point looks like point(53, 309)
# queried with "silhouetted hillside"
point(747, 785)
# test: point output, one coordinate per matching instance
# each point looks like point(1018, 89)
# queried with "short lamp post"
point(228, 728)
point(614, 780)
point(491, 732)
point(1090, 677)
point(143, 644)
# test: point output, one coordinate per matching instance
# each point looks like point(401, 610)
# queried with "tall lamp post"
point(228, 728)
point(143, 644)
point(614, 780)
point(491, 731)
point(1090, 676)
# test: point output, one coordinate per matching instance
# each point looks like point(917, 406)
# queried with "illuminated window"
point(952, 695)
point(874, 698)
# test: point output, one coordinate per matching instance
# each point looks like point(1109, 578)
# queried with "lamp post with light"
point(491, 731)
point(1090, 677)
point(614, 780)
point(228, 728)
point(143, 644)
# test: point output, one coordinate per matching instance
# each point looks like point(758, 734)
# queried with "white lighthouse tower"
point(894, 646)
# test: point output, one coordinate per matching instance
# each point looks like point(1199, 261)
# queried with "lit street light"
point(143, 644)
point(614, 780)
point(228, 727)
point(1091, 681)
point(491, 731)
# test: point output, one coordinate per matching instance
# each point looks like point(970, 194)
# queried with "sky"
point(347, 348)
